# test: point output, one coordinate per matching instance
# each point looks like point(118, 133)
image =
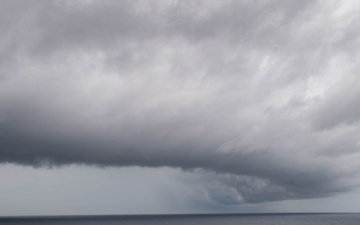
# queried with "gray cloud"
point(258, 97)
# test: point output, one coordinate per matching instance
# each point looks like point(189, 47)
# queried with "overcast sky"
point(116, 107)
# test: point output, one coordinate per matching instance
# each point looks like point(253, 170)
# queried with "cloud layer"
point(257, 99)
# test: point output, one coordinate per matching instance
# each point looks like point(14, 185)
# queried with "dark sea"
point(227, 219)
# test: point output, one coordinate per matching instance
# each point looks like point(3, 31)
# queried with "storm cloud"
point(255, 100)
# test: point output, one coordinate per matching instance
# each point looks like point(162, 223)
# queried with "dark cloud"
point(257, 99)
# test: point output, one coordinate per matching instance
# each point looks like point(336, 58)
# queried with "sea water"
point(227, 219)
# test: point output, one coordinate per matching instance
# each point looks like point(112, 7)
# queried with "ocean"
point(208, 219)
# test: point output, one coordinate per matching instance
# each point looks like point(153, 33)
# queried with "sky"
point(202, 106)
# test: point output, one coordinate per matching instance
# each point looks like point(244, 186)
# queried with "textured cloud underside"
point(258, 99)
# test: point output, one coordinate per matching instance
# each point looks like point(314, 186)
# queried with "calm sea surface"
point(248, 219)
